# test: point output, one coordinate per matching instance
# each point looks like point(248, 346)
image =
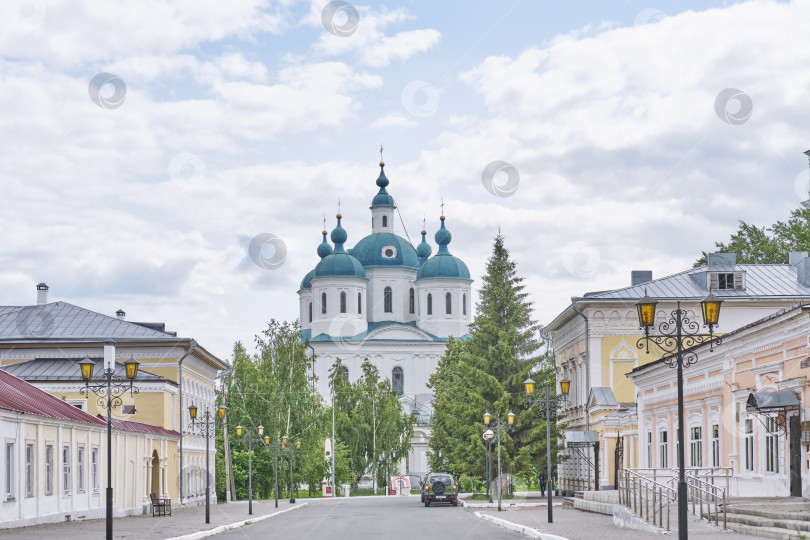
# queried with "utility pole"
point(334, 447)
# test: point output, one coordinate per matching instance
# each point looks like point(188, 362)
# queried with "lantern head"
point(221, 411)
point(565, 386)
point(711, 309)
point(86, 367)
point(131, 366)
point(486, 418)
point(646, 311)
point(510, 418)
point(260, 429)
point(238, 431)
point(529, 385)
point(192, 411)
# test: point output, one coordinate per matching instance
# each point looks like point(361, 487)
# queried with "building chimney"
point(121, 315)
point(42, 294)
point(795, 257)
point(637, 277)
point(727, 260)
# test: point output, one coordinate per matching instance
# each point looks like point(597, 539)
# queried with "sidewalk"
point(578, 525)
point(182, 521)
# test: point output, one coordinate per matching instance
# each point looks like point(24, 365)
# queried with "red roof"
point(18, 395)
point(140, 427)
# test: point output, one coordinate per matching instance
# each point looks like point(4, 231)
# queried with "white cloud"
point(393, 120)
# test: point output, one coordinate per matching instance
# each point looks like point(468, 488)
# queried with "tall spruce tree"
point(486, 373)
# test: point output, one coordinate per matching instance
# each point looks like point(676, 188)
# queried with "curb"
point(223, 528)
point(522, 529)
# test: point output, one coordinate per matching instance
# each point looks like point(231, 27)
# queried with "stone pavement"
point(182, 521)
point(580, 525)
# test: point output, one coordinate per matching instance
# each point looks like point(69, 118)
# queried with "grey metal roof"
point(67, 369)
point(581, 438)
point(772, 401)
point(602, 395)
point(761, 281)
point(60, 320)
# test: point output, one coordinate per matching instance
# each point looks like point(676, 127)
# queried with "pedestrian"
point(543, 481)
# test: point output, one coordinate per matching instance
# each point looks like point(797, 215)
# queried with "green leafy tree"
point(768, 245)
point(273, 388)
point(486, 373)
point(369, 419)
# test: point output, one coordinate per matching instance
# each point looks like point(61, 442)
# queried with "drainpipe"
point(587, 376)
point(192, 346)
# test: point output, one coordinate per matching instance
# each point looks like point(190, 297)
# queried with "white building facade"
point(388, 302)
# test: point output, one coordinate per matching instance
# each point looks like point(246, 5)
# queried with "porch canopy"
point(771, 402)
point(581, 439)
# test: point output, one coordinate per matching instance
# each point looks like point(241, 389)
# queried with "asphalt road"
point(374, 517)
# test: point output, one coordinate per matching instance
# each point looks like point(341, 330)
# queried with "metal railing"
point(706, 496)
point(637, 492)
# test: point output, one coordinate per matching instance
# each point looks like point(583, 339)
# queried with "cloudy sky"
point(147, 143)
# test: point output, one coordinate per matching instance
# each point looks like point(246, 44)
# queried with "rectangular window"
point(725, 281)
point(94, 468)
point(49, 469)
point(663, 449)
point(748, 441)
point(772, 445)
point(715, 445)
point(649, 450)
point(9, 471)
point(696, 447)
point(29, 470)
point(80, 468)
point(66, 470)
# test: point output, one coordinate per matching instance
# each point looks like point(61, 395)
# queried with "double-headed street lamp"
point(291, 451)
point(488, 436)
point(544, 409)
point(677, 336)
point(276, 447)
point(205, 428)
point(500, 427)
point(109, 396)
point(260, 430)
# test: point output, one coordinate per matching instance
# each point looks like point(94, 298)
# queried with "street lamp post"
point(108, 397)
point(204, 428)
point(500, 427)
point(260, 430)
point(547, 401)
point(677, 335)
point(275, 446)
point(487, 436)
point(291, 451)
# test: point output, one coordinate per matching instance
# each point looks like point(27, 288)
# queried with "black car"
point(439, 487)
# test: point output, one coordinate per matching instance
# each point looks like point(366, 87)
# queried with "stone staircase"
point(600, 502)
point(785, 518)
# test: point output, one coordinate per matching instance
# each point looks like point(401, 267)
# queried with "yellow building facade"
point(595, 343)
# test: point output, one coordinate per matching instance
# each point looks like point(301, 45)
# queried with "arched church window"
point(345, 371)
point(464, 304)
point(430, 304)
point(385, 221)
point(359, 304)
point(310, 312)
point(397, 380)
point(411, 301)
point(388, 300)
point(323, 303)
point(448, 303)
point(343, 301)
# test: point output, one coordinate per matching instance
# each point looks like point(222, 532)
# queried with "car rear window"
point(443, 478)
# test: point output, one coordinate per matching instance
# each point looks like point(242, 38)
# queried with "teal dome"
point(443, 264)
point(339, 263)
point(423, 250)
point(324, 248)
point(373, 251)
point(305, 283)
point(382, 198)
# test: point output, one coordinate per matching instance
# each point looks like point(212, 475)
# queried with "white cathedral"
point(391, 303)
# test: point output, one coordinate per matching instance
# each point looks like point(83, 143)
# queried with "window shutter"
point(713, 281)
point(738, 281)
